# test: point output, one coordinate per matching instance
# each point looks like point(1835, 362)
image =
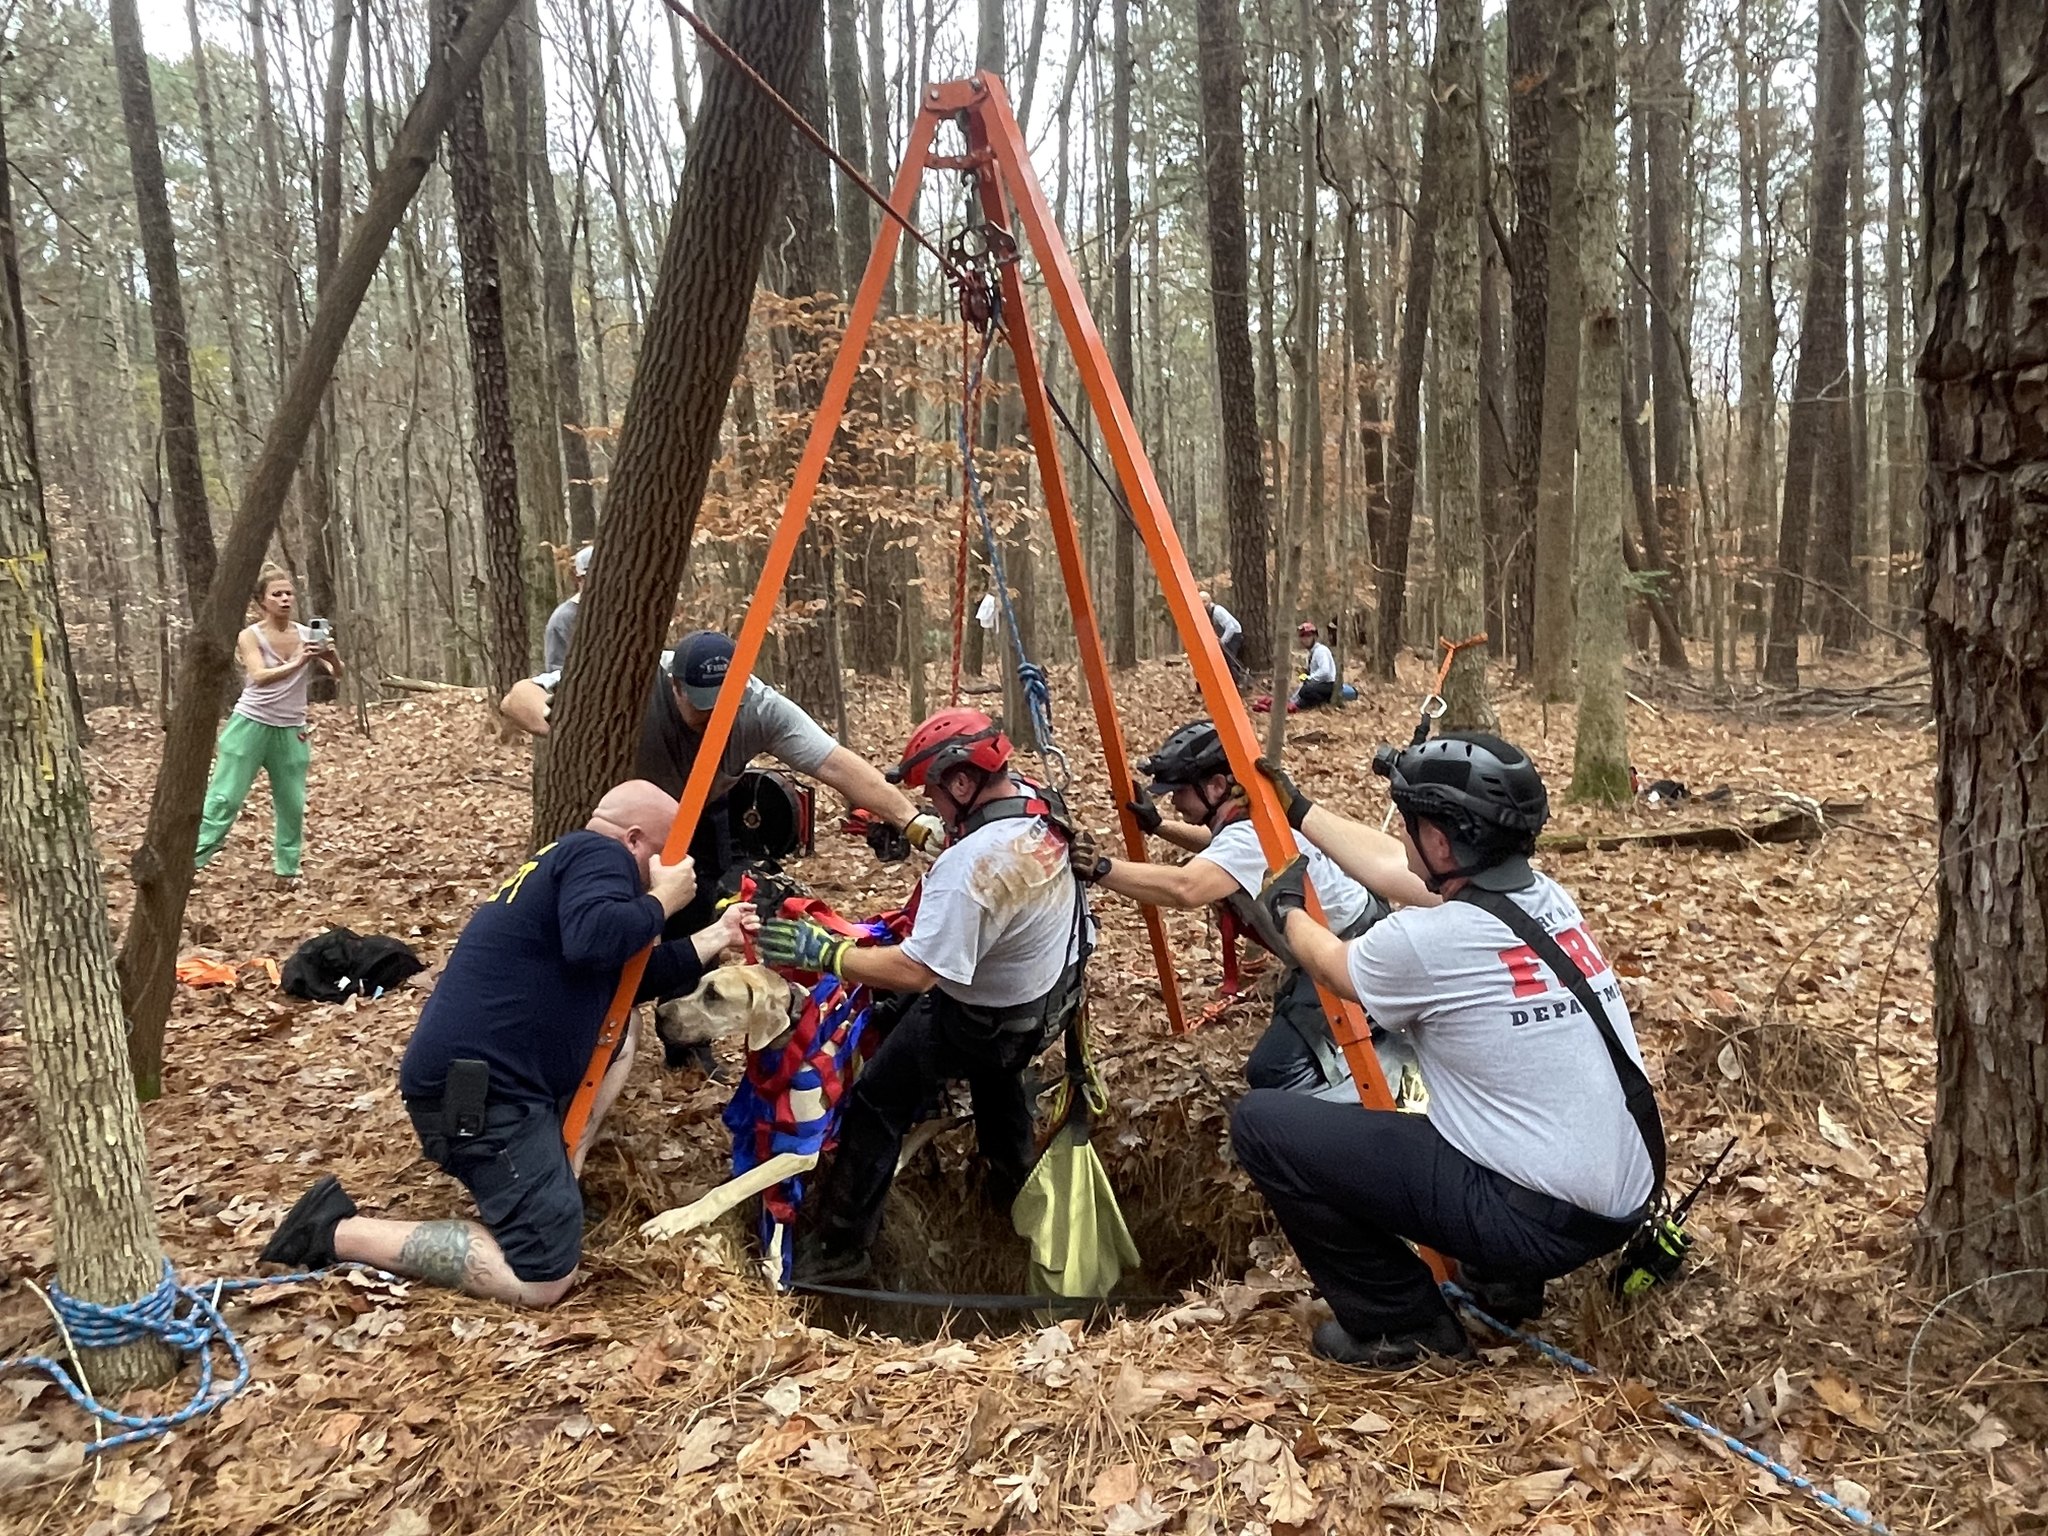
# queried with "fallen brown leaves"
point(1781, 996)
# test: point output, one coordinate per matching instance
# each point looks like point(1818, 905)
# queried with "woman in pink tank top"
point(268, 729)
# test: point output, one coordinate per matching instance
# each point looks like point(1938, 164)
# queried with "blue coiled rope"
point(196, 1330)
point(1861, 1518)
point(1031, 679)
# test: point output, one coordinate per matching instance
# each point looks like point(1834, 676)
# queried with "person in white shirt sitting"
point(1542, 1148)
point(1319, 677)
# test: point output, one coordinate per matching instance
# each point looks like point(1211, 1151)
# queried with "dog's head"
point(748, 1000)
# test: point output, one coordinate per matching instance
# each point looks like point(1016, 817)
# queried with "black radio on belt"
point(464, 1098)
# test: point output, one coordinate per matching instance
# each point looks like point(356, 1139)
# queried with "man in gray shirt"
point(1541, 1149)
point(554, 645)
point(672, 730)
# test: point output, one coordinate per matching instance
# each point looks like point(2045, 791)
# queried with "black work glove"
point(1294, 805)
point(1285, 892)
point(1141, 807)
point(889, 843)
point(1086, 859)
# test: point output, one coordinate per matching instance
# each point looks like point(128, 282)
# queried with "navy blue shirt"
point(529, 981)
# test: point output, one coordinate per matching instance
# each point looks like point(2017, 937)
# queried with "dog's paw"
point(669, 1224)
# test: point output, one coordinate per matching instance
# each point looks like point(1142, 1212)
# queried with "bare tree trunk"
point(223, 248)
point(186, 475)
point(1404, 456)
point(696, 327)
point(1220, 35)
point(1836, 510)
point(1532, 88)
point(496, 459)
point(1987, 639)
point(1600, 744)
point(95, 1161)
point(162, 867)
point(557, 291)
point(857, 218)
point(1890, 597)
point(530, 371)
point(1123, 621)
point(1669, 111)
point(1559, 422)
point(1454, 308)
point(1822, 349)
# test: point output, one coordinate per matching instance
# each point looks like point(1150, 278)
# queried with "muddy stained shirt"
point(1236, 848)
point(1519, 1078)
point(996, 917)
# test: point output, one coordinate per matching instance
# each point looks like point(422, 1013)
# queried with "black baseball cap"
point(699, 666)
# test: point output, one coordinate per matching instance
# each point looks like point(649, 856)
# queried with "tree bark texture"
point(1557, 448)
point(1982, 372)
point(483, 314)
point(559, 297)
point(1404, 454)
point(1454, 309)
point(1666, 120)
point(1600, 744)
point(1819, 379)
point(95, 1162)
point(183, 471)
point(1220, 34)
point(1837, 486)
point(850, 133)
point(162, 866)
point(695, 329)
point(223, 247)
point(1123, 608)
point(1532, 62)
point(529, 368)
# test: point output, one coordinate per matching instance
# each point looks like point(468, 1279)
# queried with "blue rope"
point(198, 1330)
point(1031, 678)
point(1784, 1474)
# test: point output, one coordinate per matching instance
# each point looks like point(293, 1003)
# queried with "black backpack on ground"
point(340, 963)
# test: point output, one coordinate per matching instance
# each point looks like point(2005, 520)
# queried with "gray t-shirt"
point(1236, 848)
point(996, 914)
point(767, 723)
point(554, 644)
point(1322, 666)
point(1225, 624)
point(1519, 1079)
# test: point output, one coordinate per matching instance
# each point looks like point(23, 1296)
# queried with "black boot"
point(1391, 1351)
point(829, 1264)
point(305, 1238)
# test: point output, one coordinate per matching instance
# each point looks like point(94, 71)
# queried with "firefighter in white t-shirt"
point(992, 970)
point(1532, 1159)
point(1227, 870)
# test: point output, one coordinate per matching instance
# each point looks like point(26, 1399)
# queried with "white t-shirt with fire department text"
point(1519, 1078)
point(996, 918)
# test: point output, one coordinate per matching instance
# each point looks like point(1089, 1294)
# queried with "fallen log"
point(1793, 823)
point(421, 685)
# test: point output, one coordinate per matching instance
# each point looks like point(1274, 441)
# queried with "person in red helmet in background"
point(991, 972)
point(1319, 675)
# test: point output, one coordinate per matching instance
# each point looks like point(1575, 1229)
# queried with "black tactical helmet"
point(1484, 792)
point(1188, 756)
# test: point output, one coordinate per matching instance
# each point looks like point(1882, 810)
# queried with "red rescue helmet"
point(1305, 631)
point(952, 738)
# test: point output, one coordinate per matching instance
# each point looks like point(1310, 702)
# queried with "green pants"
point(281, 751)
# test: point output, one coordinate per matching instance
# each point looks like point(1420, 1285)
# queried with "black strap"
point(1635, 1087)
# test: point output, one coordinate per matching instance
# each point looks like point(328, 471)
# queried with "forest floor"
point(1781, 993)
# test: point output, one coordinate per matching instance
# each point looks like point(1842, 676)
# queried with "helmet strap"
point(1436, 879)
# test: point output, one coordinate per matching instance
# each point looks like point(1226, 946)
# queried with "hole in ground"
point(1191, 1213)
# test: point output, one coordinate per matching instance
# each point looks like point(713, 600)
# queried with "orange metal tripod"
point(1011, 199)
